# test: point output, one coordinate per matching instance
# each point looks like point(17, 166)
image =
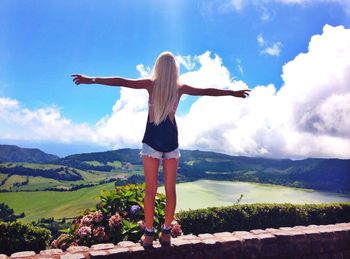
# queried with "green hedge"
point(17, 236)
point(260, 216)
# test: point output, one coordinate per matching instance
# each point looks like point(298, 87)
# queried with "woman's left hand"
point(241, 93)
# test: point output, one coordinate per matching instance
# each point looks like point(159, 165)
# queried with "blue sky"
point(43, 42)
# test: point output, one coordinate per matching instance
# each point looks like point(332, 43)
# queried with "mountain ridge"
point(13, 153)
point(327, 174)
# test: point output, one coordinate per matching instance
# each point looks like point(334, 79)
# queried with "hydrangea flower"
point(134, 209)
point(175, 229)
point(86, 220)
point(98, 216)
point(84, 231)
point(115, 221)
point(99, 233)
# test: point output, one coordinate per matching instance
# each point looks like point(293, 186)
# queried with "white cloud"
point(126, 125)
point(20, 123)
point(239, 66)
point(306, 117)
point(144, 72)
point(186, 61)
point(260, 40)
point(273, 50)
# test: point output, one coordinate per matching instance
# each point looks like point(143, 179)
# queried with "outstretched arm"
point(112, 81)
point(186, 89)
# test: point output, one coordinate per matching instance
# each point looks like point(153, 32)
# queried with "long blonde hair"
point(165, 77)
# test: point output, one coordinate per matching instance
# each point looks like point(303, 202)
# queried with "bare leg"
point(170, 169)
point(151, 166)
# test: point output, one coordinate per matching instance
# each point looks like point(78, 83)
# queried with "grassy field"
point(44, 204)
point(2, 177)
point(41, 183)
point(12, 180)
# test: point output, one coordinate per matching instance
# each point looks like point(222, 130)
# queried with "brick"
point(209, 241)
point(118, 251)
point(283, 236)
point(181, 243)
point(195, 241)
point(258, 231)
point(126, 244)
point(205, 236)
point(136, 250)
point(231, 243)
point(72, 256)
point(247, 237)
point(345, 225)
point(266, 238)
point(301, 228)
point(23, 254)
point(50, 252)
point(188, 237)
point(273, 230)
point(77, 249)
point(223, 234)
point(285, 228)
point(102, 246)
point(98, 254)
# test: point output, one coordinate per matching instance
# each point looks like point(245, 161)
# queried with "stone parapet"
point(299, 242)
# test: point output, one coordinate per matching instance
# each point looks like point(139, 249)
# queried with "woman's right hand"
point(81, 79)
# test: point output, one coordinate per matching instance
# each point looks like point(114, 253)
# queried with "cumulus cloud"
point(306, 117)
point(20, 123)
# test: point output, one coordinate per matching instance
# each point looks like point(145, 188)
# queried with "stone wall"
point(325, 241)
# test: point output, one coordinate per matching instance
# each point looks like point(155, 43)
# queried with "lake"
point(210, 193)
point(194, 195)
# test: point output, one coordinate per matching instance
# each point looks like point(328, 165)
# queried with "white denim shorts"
point(149, 151)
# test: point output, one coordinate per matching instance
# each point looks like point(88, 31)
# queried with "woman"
point(160, 141)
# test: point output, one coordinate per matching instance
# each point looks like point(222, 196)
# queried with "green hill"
point(11, 153)
point(93, 168)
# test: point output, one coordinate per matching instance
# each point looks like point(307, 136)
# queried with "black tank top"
point(162, 137)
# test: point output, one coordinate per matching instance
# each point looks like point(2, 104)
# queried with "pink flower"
point(98, 216)
point(141, 224)
point(86, 220)
point(99, 233)
point(175, 229)
point(84, 231)
point(115, 221)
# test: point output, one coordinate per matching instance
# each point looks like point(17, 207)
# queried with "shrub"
point(253, 216)
point(17, 236)
point(118, 216)
point(7, 213)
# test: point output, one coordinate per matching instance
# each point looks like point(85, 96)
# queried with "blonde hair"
point(165, 77)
